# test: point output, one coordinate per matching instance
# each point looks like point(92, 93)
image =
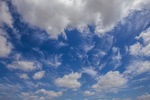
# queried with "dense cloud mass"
point(57, 15)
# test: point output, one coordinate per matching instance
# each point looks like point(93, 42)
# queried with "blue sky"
point(74, 50)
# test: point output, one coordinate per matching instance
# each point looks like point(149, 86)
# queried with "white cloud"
point(88, 93)
point(144, 97)
point(28, 96)
point(69, 81)
point(23, 65)
point(39, 75)
point(58, 15)
point(89, 71)
point(110, 81)
point(24, 76)
point(116, 57)
point(48, 93)
point(5, 46)
point(137, 67)
point(5, 16)
point(54, 60)
point(139, 49)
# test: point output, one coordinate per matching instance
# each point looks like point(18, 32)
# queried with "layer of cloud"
point(69, 81)
point(5, 45)
point(5, 17)
point(23, 65)
point(57, 15)
point(39, 75)
point(110, 81)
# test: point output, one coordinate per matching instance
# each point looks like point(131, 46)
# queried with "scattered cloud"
point(107, 82)
point(89, 71)
point(5, 17)
point(69, 81)
point(137, 67)
point(39, 75)
point(24, 76)
point(23, 65)
point(144, 97)
point(5, 45)
point(141, 49)
point(54, 60)
point(88, 93)
point(48, 93)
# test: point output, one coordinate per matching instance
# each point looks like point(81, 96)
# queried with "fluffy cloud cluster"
point(57, 15)
point(141, 49)
point(110, 81)
point(69, 81)
point(5, 45)
point(5, 17)
point(23, 65)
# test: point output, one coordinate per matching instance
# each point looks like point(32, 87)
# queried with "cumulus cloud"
point(69, 81)
point(23, 65)
point(39, 75)
point(88, 93)
point(57, 15)
point(110, 81)
point(5, 45)
point(137, 67)
point(141, 49)
point(5, 16)
point(144, 97)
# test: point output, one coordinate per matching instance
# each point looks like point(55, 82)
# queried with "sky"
point(74, 50)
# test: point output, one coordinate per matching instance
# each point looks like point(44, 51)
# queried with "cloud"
point(89, 71)
point(116, 57)
point(48, 93)
point(59, 15)
point(137, 67)
point(23, 65)
point(5, 45)
point(108, 82)
point(5, 16)
point(39, 75)
point(88, 93)
point(54, 60)
point(24, 76)
point(141, 49)
point(69, 81)
point(144, 97)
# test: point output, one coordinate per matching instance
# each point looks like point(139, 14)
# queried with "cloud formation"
point(23, 65)
point(57, 15)
point(5, 17)
point(69, 81)
point(110, 81)
point(39, 75)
